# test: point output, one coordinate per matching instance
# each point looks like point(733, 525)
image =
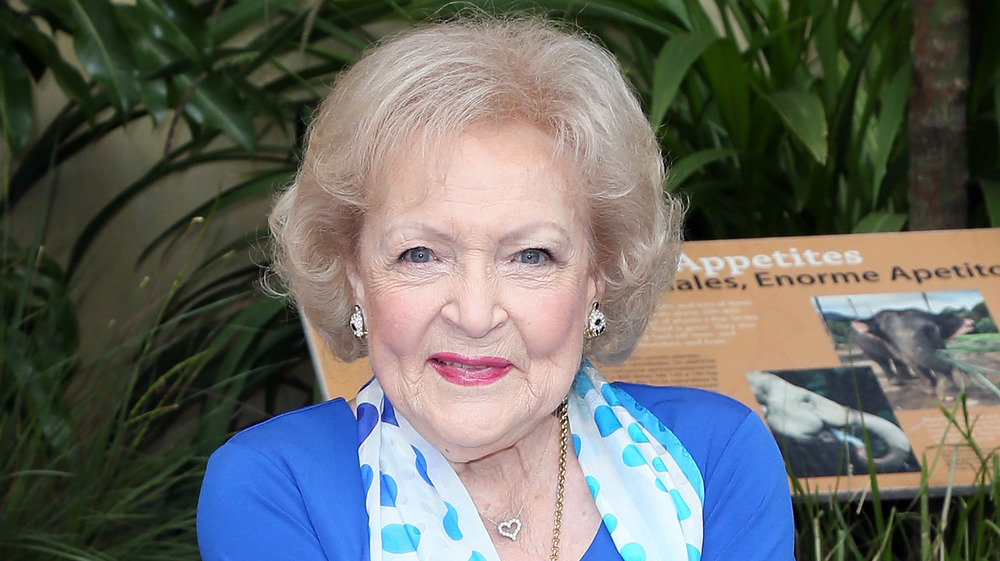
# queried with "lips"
point(469, 371)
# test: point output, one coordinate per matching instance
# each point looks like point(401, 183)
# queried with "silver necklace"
point(510, 527)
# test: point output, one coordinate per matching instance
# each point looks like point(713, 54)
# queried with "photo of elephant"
point(925, 347)
point(832, 421)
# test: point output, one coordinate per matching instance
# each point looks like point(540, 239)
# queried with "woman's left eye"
point(417, 255)
point(533, 256)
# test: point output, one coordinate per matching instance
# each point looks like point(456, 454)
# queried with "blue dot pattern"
point(366, 477)
point(683, 512)
point(367, 418)
point(636, 434)
point(389, 414)
point(421, 464)
point(633, 552)
point(400, 538)
point(632, 457)
point(388, 496)
point(450, 522)
point(419, 510)
point(606, 421)
point(594, 484)
point(649, 457)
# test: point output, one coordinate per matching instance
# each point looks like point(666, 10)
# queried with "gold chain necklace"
point(515, 522)
point(560, 479)
point(510, 527)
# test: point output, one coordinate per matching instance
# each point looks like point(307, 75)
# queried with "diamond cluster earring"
point(357, 323)
point(596, 323)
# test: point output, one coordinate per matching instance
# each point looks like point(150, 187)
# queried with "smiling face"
point(473, 274)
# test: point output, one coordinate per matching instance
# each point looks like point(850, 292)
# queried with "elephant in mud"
point(904, 343)
point(818, 435)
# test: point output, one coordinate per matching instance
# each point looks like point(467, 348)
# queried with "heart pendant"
point(509, 528)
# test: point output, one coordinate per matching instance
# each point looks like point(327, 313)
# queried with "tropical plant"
point(778, 117)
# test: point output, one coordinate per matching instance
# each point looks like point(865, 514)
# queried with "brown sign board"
point(852, 348)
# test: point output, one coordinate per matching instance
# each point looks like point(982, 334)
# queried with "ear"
point(354, 278)
point(595, 287)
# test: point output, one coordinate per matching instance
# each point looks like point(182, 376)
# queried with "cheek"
point(555, 324)
point(399, 323)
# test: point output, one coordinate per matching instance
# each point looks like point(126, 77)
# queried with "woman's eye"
point(533, 256)
point(416, 255)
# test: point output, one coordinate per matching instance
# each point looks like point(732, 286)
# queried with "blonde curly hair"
point(423, 88)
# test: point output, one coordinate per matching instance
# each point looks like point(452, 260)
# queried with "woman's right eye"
point(416, 255)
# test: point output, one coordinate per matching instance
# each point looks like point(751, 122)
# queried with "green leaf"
point(680, 171)
point(888, 126)
point(104, 51)
point(996, 108)
point(727, 76)
point(991, 194)
point(880, 222)
point(161, 28)
point(241, 16)
point(16, 108)
point(802, 111)
point(672, 65)
point(212, 100)
point(256, 186)
point(216, 101)
point(41, 45)
point(150, 57)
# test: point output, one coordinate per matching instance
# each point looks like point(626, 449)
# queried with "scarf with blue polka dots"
point(645, 484)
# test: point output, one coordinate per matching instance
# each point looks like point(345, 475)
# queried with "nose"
point(475, 304)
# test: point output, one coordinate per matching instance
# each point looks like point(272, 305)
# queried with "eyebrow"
point(543, 226)
point(432, 231)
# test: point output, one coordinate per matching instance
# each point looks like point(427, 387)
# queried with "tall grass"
point(103, 459)
point(951, 523)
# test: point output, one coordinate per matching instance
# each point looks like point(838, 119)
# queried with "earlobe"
point(596, 288)
point(354, 278)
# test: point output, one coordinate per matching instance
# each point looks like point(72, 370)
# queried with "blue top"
point(290, 488)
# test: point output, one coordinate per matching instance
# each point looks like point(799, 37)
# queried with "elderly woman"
point(480, 207)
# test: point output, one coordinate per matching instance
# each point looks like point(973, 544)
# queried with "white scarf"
point(645, 484)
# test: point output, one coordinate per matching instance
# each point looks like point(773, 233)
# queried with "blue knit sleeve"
point(747, 510)
point(286, 489)
point(250, 509)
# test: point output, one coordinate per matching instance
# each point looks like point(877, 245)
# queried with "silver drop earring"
point(357, 323)
point(596, 322)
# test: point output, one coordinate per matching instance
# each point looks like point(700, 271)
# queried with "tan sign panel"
point(836, 341)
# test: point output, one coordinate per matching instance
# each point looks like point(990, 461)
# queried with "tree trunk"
point(938, 150)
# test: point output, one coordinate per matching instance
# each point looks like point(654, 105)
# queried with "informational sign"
point(854, 349)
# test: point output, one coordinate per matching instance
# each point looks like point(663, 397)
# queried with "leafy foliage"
point(779, 118)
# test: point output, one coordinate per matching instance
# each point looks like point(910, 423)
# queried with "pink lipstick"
point(470, 371)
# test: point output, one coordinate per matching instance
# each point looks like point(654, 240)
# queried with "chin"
point(470, 437)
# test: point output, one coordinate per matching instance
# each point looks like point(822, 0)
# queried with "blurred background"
point(144, 140)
